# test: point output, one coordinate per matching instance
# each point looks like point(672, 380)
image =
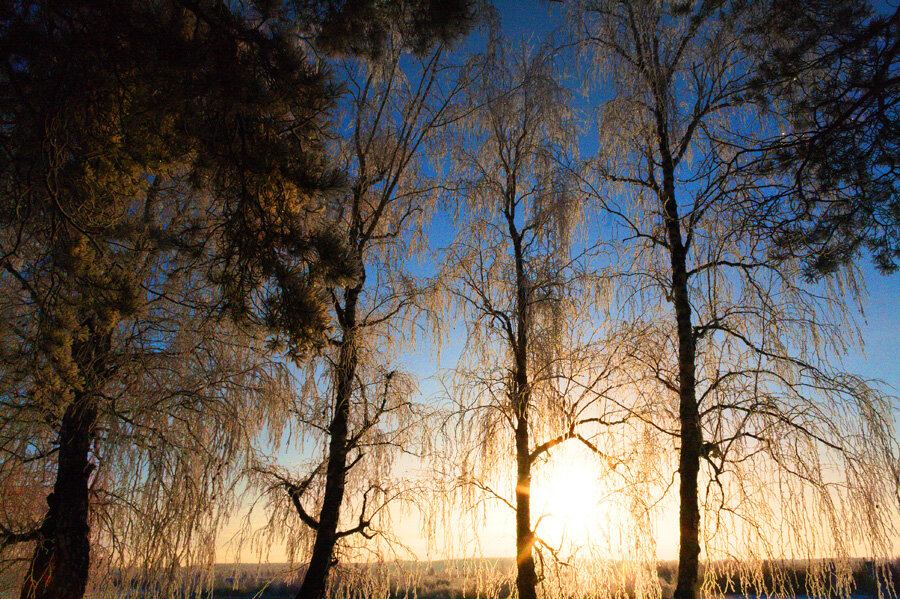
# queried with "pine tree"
point(120, 120)
point(831, 72)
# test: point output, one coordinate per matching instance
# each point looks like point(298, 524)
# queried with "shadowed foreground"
point(464, 579)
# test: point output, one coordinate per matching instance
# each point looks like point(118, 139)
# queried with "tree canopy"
point(232, 232)
point(831, 71)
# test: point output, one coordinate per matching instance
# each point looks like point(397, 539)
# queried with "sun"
point(567, 498)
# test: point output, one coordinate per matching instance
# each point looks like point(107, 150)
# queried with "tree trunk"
point(526, 577)
point(316, 579)
point(61, 560)
point(691, 441)
point(688, 410)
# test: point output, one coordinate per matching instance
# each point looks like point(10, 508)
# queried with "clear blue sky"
point(880, 330)
point(533, 20)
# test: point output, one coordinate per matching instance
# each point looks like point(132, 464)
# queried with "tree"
point(354, 400)
point(364, 28)
point(138, 428)
point(100, 121)
point(752, 382)
point(831, 72)
point(512, 273)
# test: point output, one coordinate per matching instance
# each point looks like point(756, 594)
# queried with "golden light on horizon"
point(568, 497)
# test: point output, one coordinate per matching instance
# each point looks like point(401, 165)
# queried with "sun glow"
point(569, 508)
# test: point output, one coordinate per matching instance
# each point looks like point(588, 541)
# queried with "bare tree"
point(535, 373)
point(355, 403)
point(752, 382)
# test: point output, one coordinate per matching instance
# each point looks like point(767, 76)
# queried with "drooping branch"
point(296, 491)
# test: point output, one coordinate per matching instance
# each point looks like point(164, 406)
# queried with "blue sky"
point(879, 320)
point(533, 20)
point(880, 330)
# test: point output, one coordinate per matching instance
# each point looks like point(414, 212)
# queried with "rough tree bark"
point(322, 559)
point(60, 564)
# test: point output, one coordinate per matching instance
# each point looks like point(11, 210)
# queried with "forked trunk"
point(60, 564)
point(315, 582)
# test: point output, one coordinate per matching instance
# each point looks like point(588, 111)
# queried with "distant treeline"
point(455, 579)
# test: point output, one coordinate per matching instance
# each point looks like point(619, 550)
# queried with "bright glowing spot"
point(568, 493)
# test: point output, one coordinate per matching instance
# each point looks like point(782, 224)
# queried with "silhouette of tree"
point(534, 373)
point(114, 113)
point(752, 380)
point(354, 401)
point(831, 72)
point(136, 423)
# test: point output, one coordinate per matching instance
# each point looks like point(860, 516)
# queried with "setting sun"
point(375, 299)
point(568, 499)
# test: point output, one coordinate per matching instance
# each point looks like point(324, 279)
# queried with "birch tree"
point(750, 392)
point(356, 404)
point(512, 273)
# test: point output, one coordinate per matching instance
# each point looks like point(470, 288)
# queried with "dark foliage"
point(832, 68)
point(363, 27)
point(104, 104)
point(100, 98)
